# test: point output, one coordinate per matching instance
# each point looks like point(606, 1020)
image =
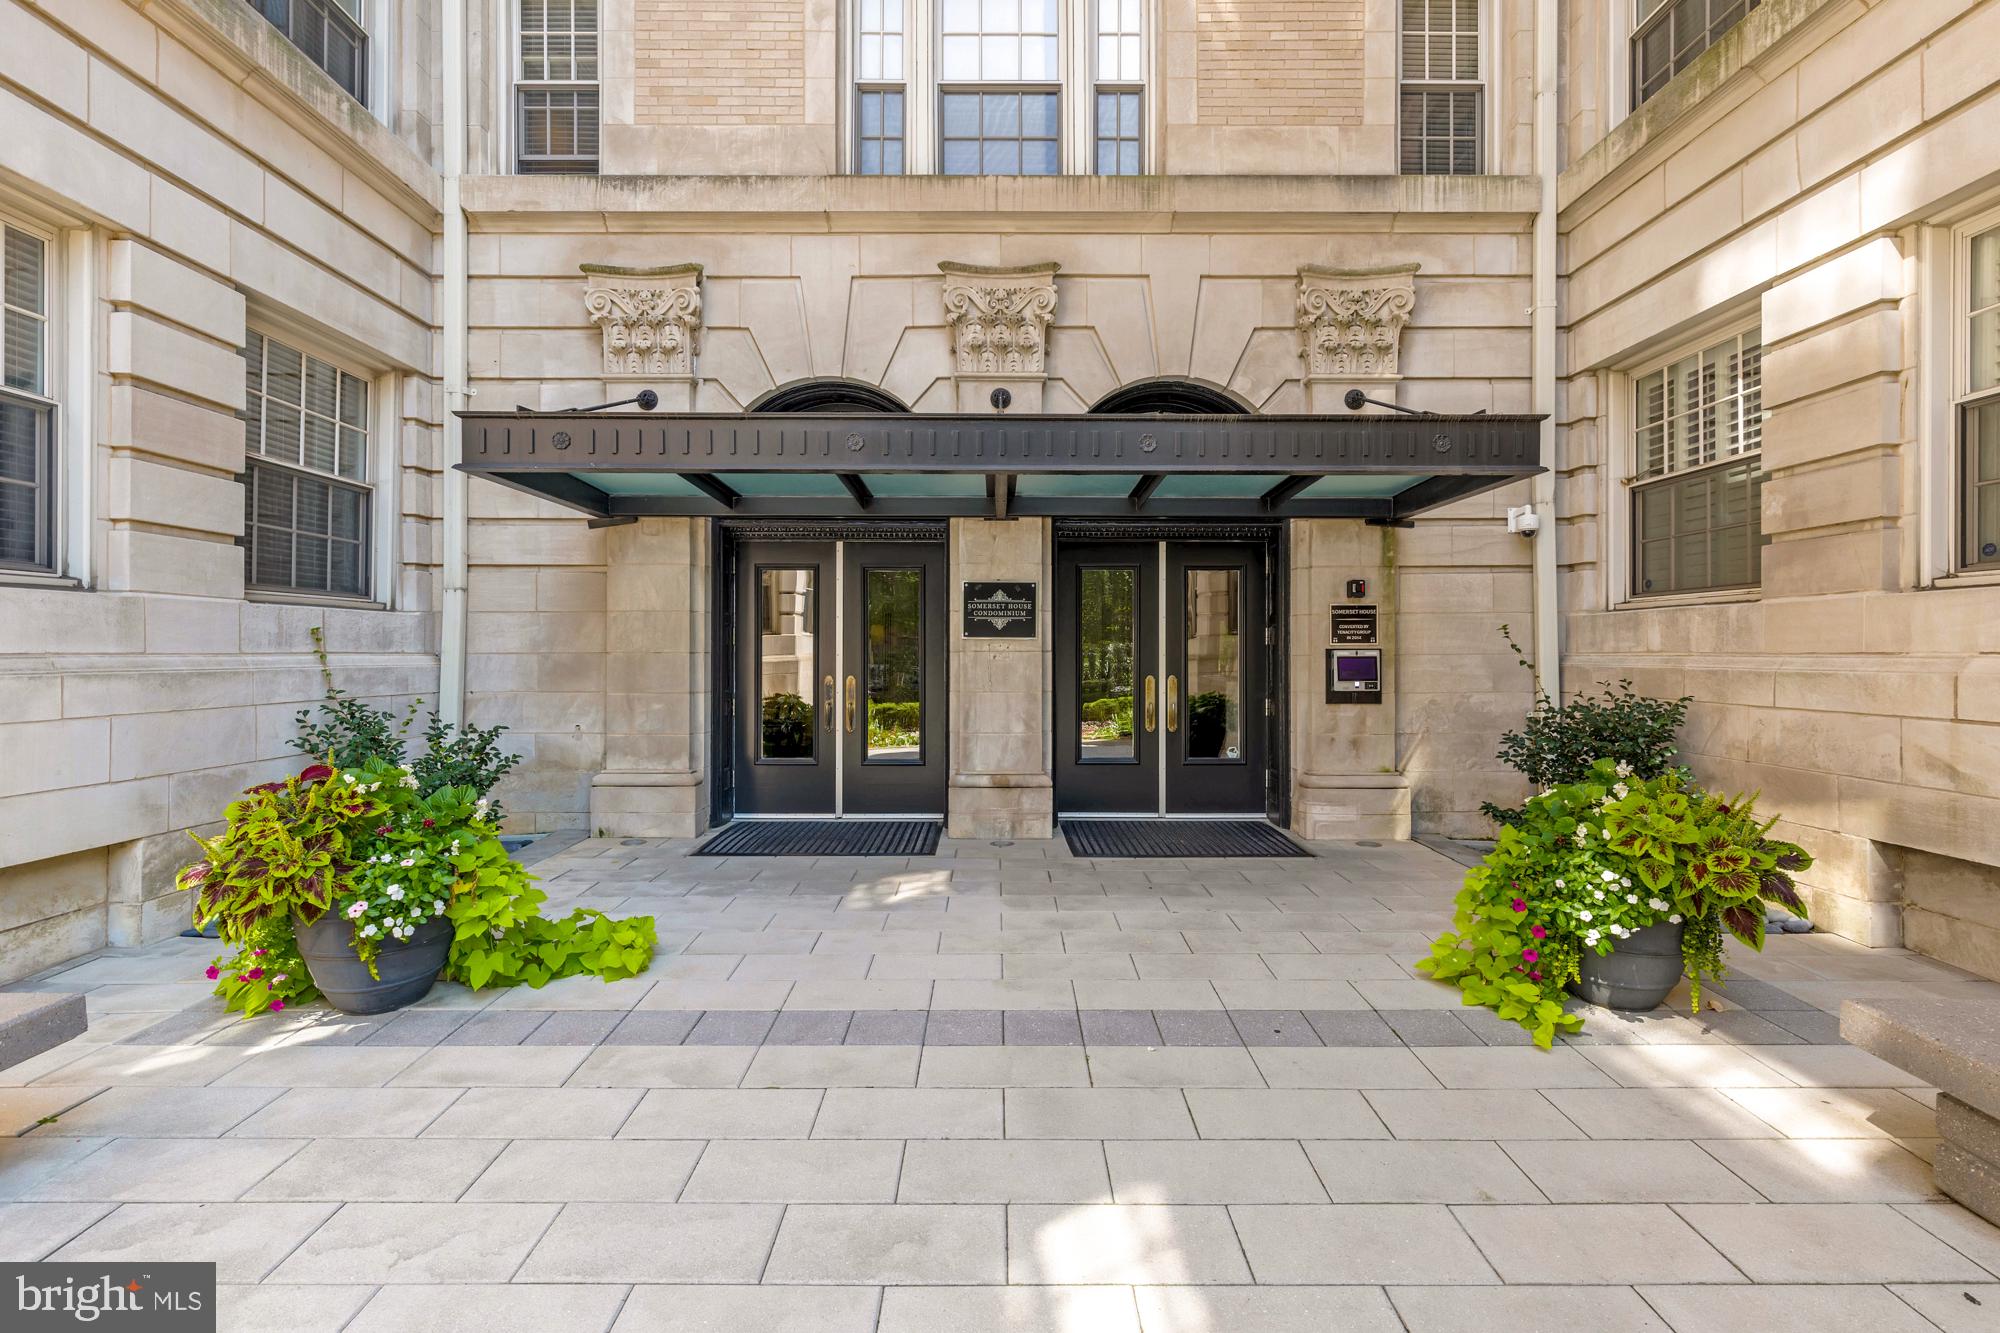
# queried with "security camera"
point(1524, 520)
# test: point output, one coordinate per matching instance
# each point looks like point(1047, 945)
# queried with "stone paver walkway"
point(1001, 1088)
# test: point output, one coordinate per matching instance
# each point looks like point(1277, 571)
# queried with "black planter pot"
point(407, 968)
point(1638, 972)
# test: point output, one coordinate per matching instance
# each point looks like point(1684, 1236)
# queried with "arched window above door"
point(1174, 395)
point(829, 393)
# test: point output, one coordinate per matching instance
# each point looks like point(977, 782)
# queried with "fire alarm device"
point(1357, 587)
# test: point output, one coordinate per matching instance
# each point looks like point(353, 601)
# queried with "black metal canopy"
point(618, 465)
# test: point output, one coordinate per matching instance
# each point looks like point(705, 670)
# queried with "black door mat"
point(825, 837)
point(1105, 838)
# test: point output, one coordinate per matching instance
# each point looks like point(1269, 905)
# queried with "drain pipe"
point(452, 318)
point(1547, 584)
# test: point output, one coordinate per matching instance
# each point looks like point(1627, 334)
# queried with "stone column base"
point(1967, 1162)
point(648, 805)
point(1001, 805)
point(1879, 925)
point(1348, 806)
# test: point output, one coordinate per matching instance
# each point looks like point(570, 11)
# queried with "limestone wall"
point(197, 176)
point(1800, 177)
point(863, 299)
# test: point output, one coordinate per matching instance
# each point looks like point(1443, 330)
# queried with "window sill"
point(1667, 600)
point(274, 597)
point(1967, 578)
point(27, 578)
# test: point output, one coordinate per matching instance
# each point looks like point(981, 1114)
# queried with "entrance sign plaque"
point(999, 610)
point(1354, 624)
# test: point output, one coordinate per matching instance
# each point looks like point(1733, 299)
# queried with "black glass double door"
point(1162, 672)
point(839, 700)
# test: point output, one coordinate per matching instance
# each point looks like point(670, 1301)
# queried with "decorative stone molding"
point(999, 317)
point(651, 318)
point(1353, 321)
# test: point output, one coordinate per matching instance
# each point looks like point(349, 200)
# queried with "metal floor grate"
point(1106, 838)
point(825, 837)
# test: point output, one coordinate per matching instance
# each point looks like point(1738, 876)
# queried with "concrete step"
point(35, 1021)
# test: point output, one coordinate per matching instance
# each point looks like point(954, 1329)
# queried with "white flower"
point(1599, 895)
point(1656, 904)
point(1631, 897)
point(437, 905)
point(407, 862)
point(1607, 875)
point(1623, 770)
point(1675, 918)
point(1583, 916)
point(368, 931)
point(1626, 882)
point(408, 780)
point(354, 912)
point(1621, 790)
point(1559, 883)
point(395, 891)
point(1619, 931)
point(1590, 938)
point(1606, 830)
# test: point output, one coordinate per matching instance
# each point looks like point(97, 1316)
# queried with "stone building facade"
point(256, 278)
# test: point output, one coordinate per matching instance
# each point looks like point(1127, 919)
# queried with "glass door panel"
point(1108, 703)
point(893, 645)
point(786, 640)
point(1212, 642)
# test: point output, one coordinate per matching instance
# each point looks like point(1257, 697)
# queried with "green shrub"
point(1590, 862)
point(1560, 742)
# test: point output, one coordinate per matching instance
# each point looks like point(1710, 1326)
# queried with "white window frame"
point(1945, 354)
point(381, 553)
point(1076, 86)
point(55, 393)
point(1619, 452)
point(1487, 138)
point(1097, 82)
point(857, 84)
point(514, 85)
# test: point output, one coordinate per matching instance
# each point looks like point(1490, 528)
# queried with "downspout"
point(1548, 609)
point(452, 317)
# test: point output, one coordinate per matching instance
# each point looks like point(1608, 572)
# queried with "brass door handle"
point(826, 688)
point(850, 703)
point(1152, 704)
point(1173, 703)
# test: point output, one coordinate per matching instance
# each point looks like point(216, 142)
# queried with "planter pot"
point(407, 968)
point(1638, 972)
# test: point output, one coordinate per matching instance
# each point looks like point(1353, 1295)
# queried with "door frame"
point(726, 536)
point(1271, 537)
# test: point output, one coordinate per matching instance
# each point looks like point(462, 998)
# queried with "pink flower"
point(1534, 976)
point(213, 972)
point(1539, 932)
point(277, 1004)
point(258, 953)
point(254, 974)
point(1531, 956)
point(1519, 904)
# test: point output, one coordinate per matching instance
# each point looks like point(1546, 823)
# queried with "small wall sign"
point(999, 610)
point(1354, 624)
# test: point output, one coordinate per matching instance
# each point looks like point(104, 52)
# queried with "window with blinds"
point(1000, 88)
point(1442, 109)
point(1121, 75)
point(307, 497)
point(1672, 33)
point(556, 95)
point(27, 416)
point(1977, 392)
point(1697, 470)
point(329, 33)
point(879, 89)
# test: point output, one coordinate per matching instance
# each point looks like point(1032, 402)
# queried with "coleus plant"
point(1593, 861)
point(286, 851)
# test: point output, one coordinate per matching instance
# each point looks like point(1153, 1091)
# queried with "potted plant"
point(1612, 889)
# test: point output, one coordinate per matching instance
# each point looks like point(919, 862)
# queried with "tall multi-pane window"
point(879, 90)
point(1976, 388)
point(1698, 427)
point(307, 497)
point(1121, 75)
point(27, 416)
point(1669, 34)
point(999, 88)
point(330, 34)
point(1442, 99)
point(555, 112)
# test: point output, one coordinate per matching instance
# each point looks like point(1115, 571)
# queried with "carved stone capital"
point(999, 317)
point(651, 318)
point(1352, 322)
